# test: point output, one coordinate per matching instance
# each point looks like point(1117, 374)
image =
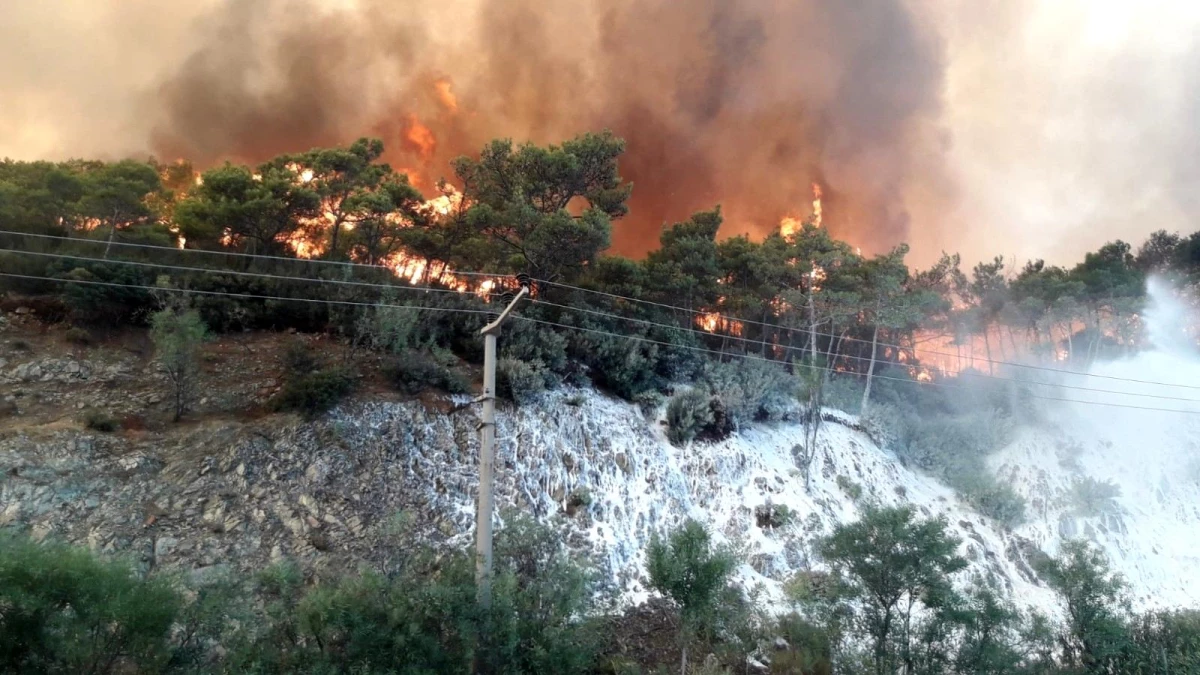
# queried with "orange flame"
point(446, 203)
point(446, 95)
point(789, 226)
point(816, 204)
point(420, 138)
point(713, 322)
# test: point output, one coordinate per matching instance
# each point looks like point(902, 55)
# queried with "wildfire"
point(790, 225)
point(713, 322)
point(816, 204)
point(446, 203)
point(420, 138)
point(446, 95)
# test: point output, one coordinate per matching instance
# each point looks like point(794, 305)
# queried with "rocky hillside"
point(238, 486)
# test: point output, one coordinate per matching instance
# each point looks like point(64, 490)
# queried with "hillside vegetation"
point(206, 308)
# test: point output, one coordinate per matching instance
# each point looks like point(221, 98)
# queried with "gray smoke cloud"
point(740, 104)
point(956, 124)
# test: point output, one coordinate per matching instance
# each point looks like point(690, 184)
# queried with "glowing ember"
point(713, 322)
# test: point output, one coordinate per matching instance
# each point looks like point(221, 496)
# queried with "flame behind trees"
point(800, 296)
point(521, 199)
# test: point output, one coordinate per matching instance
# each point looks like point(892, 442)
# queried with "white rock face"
point(577, 443)
point(1151, 456)
point(638, 484)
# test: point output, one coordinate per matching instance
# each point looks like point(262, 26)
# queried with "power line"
point(804, 365)
point(261, 275)
point(548, 323)
point(251, 296)
point(237, 254)
point(859, 358)
point(552, 304)
point(861, 340)
point(915, 350)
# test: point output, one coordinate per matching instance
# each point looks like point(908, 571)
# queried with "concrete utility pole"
point(487, 454)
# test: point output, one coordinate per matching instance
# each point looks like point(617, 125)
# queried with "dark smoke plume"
point(744, 104)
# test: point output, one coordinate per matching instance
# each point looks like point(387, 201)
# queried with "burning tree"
point(547, 211)
point(254, 211)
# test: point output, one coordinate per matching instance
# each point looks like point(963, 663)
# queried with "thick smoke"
point(1028, 128)
point(1074, 123)
point(743, 104)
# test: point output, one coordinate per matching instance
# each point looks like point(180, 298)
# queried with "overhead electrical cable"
point(915, 350)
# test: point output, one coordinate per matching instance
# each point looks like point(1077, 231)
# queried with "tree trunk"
point(765, 337)
point(812, 326)
point(112, 232)
point(333, 238)
point(987, 346)
point(836, 354)
point(862, 409)
point(683, 662)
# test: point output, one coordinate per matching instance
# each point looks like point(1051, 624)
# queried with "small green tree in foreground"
point(694, 574)
point(177, 337)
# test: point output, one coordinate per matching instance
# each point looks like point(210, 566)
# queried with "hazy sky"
point(1065, 123)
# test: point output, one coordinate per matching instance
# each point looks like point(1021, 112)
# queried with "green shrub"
point(98, 420)
point(520, 381)
point(177, 337)
point(805, 649)
point(110, 293)
point(773, 516)
point(424, 618)
point(853, 490)
point(64, 611)
point(648, 402)
point(391, 329)
point(534, 343)
point(413, 371)
point(78, 336)
point(751, 389)
point(688, 413)
point(299, 358)
point(315, 393)
point(1169, 640)
point(580, 498)
point(945, 445)
point(994, 499)
point(693, 573)
point(844, 392)
point(1090, 498)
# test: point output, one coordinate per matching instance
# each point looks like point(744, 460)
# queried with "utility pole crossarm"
point(495, 325)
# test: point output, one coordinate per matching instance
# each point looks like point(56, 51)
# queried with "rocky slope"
point(380, 473)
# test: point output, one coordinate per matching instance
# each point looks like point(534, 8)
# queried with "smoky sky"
point(987, 126)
